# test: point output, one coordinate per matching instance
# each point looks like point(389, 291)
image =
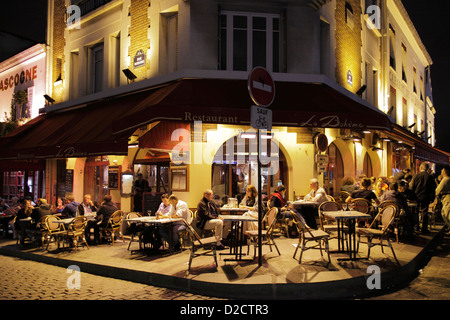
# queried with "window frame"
point(229, 40)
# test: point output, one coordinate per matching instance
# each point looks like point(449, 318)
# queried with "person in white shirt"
point(165, 207)
point(179, 209)
point(317, 194)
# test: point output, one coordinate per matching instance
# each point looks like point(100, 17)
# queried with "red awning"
point(103, 127)
point(164, 136)
point(428, 153)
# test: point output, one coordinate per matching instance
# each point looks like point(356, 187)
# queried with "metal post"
point(260, 211)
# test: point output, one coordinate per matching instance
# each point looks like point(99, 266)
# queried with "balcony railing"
point(87, 6)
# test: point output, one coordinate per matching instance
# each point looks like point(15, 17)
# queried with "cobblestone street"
point(29, 280)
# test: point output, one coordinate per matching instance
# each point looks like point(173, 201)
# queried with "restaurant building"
point(160, 87)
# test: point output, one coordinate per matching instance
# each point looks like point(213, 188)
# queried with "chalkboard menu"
point(69, 180)
point(151, 201)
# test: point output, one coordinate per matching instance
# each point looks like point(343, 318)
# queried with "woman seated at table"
point(23, 213)
point(364, 193)
point(250, 202)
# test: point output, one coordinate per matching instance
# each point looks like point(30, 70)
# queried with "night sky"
point(27, 18)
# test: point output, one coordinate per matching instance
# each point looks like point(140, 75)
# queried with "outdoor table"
point(146, 220)
point(341, 217)
point(237, 236)
point(309, 210)
point(232, 211)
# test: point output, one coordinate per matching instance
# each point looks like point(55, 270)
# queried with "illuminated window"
point(248, 40)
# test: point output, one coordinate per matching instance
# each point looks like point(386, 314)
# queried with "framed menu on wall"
point(179, 178)
point(113, 177)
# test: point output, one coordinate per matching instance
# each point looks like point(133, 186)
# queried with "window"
point(349, 19)
point(248, 40)
point(404, 61)
point(95, 73)
point(392, 62)
point(414, 80)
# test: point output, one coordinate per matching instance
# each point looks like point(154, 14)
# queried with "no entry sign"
point(261, 87)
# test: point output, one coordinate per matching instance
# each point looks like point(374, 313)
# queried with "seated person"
point(43, 209)
point(3, 205)
point(23, 213)
point(348, 185)
point(179, 209)
point(70, 209)
point(403, 188)
point(208, 217)
point(165, 206)
point(364, 193)
point(277, 199)
point(105, 211)
point(88, 209)
point(317, 194)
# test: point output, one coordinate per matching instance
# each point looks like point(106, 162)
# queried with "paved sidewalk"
point(279, 277)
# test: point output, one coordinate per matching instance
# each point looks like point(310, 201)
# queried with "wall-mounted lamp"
point(361, 90)
point(49, 99)
point(130, 75)
point(410, 126)
point(390, 110)
point(421, 133)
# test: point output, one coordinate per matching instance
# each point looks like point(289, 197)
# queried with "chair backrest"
point(301, 224)
point(50, 225)
point(362, 205)
point(271, 218)
point(329, 206)
point(78, 224)
point(386, 203)
point(43, 223)
point(192, 231)
point(388, 214)
point(116, 218)
point(330, 198)
point(131, 215)
point(342, 196)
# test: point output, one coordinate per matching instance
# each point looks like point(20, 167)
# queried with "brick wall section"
point(59, 26)
point(139, 24)
point(348, 45)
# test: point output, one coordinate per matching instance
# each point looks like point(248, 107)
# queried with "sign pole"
point(260, 209)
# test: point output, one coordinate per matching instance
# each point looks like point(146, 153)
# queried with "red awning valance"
point(431, 154)
point(167, 135)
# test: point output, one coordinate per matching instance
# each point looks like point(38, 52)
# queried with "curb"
point(354, 288)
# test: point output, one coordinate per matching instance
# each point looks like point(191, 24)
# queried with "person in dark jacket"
point(70, 208)
point(42, 209)
point(208, 217)
point(424, 186)
point(105, 211)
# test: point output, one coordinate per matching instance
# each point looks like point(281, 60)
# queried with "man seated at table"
point(89, 210)
point(317, 194)
point(208, 218)
point(179, 209)
point(70, 209)
point(105, 211)
point(165, 206)
point(364, 193)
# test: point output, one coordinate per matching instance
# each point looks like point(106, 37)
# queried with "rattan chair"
point(307, 235)
point(42, 230)
point(387, 216)
point(341, 197)
point(270, 219)
point(75, 231)
point(208, 244)
point(328, 225)
point(398, 220)
point(132, 228)
point(55, 230)
point(113, 225)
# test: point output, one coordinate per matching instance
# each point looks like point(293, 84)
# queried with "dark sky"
point(27, 18)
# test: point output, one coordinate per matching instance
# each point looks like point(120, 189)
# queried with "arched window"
point(367, 166)
point(335, 170)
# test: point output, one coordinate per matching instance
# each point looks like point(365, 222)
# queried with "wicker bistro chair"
point(307, 235)
point(54, 230)
point(270, 219)
point(113, 225)
point(387, 216)
point(76, 230)
point(132, 227)
point(42, 230)
point(208, 244)
point(328, 225)
point(398, 220)
point(184, 234)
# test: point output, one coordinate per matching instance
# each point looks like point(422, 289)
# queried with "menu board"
point(151, 201)
point(69, 180)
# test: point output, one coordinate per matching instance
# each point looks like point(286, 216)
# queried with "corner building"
point(160, 87)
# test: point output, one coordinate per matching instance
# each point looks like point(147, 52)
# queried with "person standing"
point(443, 191)
point(140, 186)
point(424, 187)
